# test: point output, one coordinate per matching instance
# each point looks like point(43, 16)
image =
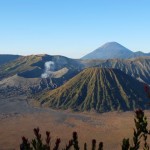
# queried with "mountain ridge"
point(24, 75)
point(6, 58)
point(136, 67)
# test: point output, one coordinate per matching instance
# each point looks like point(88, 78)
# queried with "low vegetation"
point(37, 143)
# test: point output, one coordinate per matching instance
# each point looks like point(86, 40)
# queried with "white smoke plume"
point(49, 68)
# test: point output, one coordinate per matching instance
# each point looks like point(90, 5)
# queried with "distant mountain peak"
point(113, 46)
point(112, 50)
point(111, 43)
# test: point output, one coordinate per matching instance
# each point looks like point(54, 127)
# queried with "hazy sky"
point(72, 27)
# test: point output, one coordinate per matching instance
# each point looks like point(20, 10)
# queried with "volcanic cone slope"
point(98, 89)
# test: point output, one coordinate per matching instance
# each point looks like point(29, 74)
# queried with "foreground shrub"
point(37, 143)
point(140, 131)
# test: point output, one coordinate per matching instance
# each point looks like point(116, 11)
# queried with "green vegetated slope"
point(34, 65)
point(19, 65)
point(99, 89)
point(138, 68)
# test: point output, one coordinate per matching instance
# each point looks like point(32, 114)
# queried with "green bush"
point(140, 131)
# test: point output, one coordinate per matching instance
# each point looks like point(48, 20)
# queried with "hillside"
point(28, 75)
point(35, 73)
point(138, 68)
point(113, 50)
point(5, 58)
point(97, 89)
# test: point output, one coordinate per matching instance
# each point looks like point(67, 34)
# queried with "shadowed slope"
point(138, 68)
point(97, 89)
point(5, 58)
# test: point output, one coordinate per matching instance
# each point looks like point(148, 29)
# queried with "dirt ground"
point(18, 119)
point(108, 127)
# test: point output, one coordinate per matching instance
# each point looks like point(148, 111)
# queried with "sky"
point(72, 28)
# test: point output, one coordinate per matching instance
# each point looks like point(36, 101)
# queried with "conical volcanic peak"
point(113, 46)
point(98, 89)
point(113, 50)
